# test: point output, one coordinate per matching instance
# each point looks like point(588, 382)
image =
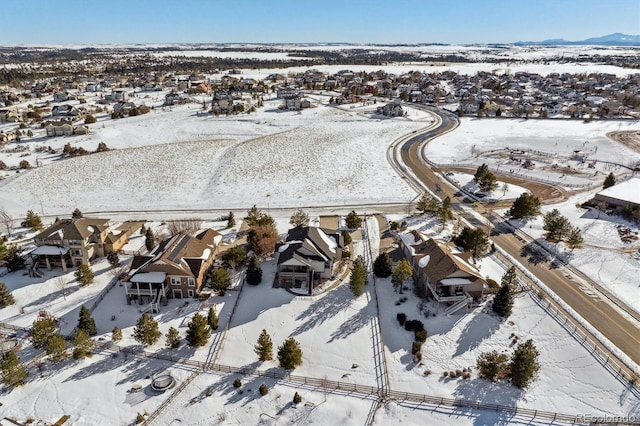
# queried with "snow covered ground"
point(182, 160)
point(605, 258)
point(495, 141)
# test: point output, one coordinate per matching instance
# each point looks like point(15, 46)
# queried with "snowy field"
point(224, 163)
point(478, 141)
point(328, 327)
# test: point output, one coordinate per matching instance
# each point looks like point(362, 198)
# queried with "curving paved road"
point(624, 333)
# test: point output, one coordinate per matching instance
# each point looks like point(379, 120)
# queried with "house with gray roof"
point(308, 257)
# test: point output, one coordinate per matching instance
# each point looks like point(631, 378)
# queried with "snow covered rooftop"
point(424, 261)
point(148, 277)
point(626, 191)
point(50, 250)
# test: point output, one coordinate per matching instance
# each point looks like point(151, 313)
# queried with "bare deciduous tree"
point(184, 225)
point(6, 221)
point(62, 284)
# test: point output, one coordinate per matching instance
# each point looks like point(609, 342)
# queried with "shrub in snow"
point(417, 357)
point(420, 336)
point(237, 383)
point(445, 374)
point(415, 347)
point(297, 399)
point(263, 389)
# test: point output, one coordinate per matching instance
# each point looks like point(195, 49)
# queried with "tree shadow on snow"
point(481, 327)
point(323, 308)
point(485, 392)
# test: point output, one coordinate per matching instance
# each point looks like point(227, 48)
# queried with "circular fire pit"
point(163, 382)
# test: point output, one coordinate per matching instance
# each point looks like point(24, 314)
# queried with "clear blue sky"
point(300, 21)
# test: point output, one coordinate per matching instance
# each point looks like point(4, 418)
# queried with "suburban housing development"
point(328, 234)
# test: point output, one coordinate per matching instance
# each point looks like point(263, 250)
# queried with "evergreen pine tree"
point(173, 338)
point(13, 258)
point(84, 274)
point(212, 318)
point(84, 344)
point(556, 225)
point(297, 399)
point(353, 221)
point(56, 348)
point(524, 364)
point(116, 334)
point(146, 330)
point(143, 230)
point(492, 365)
point(290, 354)
point(198, 332)
point(33, 221)
point(358, 277)
point(402, 272)
point(445, 212)
point(575, 239)
point(113, 259)
point(3, 248)
point(503, 300)
point(299, 218)
point(525, 205)
point(609, 181)
point(220, 280)
point(382, 266)
point(264, 347)
point(86, 322)
point(41, 332)
point(6, 298)
point(13, 372)
point(231, 222)
point(149, 239)
point(254, 271)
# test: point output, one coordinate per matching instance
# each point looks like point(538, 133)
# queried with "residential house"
point(71, 242)
point(119, 236)
point(391, 109)
point(175, 269)
point(64, 129)
point(8, 115)
point(65, 111)
point(441, 271)
point(308, 257)
point(624, 195)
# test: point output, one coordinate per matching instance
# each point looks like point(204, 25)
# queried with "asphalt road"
point(622, 332)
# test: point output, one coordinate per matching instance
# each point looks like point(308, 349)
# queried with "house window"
point(191, 282)
point(77, 252)
point(190, 293)
point(176, 281)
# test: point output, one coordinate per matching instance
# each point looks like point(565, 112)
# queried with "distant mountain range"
point(616, 39)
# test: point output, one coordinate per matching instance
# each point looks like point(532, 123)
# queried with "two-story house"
point(175, 269)
point(71, 242)
point(308, 257)
point(443, 272)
